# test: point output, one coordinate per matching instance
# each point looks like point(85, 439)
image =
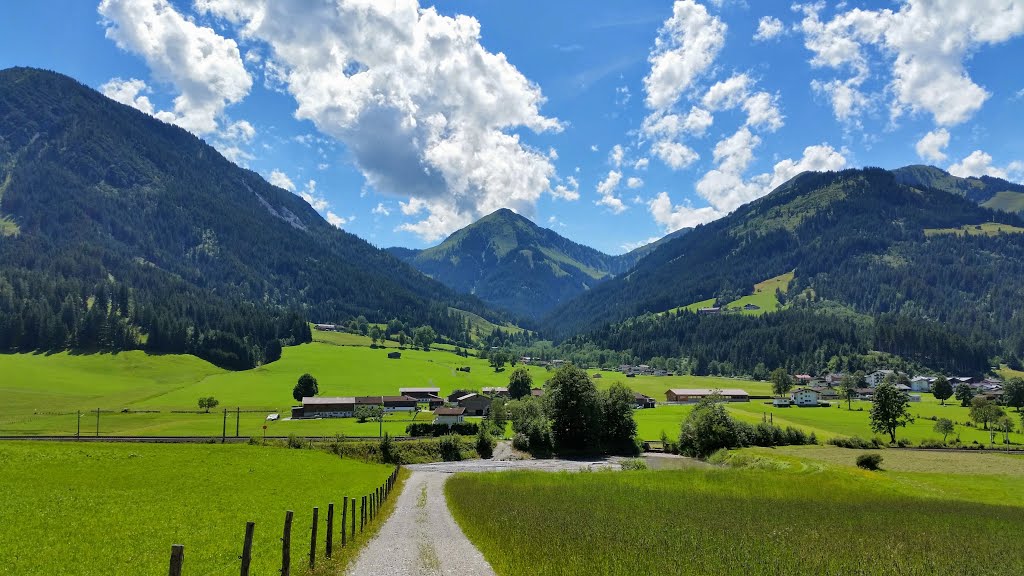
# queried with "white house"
point(449, 416)
point(921, 383)
point(804, 397)
point(876, 377)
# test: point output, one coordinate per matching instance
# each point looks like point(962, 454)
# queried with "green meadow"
point(97, 509)
point(795, 514)
point(763, 297)
point(986, 229)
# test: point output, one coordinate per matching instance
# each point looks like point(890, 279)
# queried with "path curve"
point(422, 537)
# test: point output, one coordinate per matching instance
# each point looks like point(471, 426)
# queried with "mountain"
point(990, 192)
point(184, 250)
point(880, 261)
point(509, 262)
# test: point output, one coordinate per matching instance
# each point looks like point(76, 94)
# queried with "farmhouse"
point(688, 395)
point(826, 392)
point(643, 401)
point(325, 327)
point(708, 311)
point(325, 407)
point(751, 307)
point(389, 403)
point(536, 392)
point(494, 391)
point(449, 416)
point(422, 394)
point(475, 404)
point(804, 397)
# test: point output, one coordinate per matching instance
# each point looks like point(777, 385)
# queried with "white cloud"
point(204, 67)
point(129, 92)
point(979, 163)
point(727, 94)
point(616, 155)
point(314, 199)
point(931, 147)
point(736, 91)
point(674, 154)
point(641, 164)
point(634, 183)
point(660, 126)
point(606, 188)
point(552, 153)
point(768, 28)
point(337, 221)
point(593, 148)
point(424, 109)
point(381, 210)
point(568, 190)
point(926, 43)
point(240, 131)
point(685, 48)
point(725, 188)
point(281, 180)
point(630, 246)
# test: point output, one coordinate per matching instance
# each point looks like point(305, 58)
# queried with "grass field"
point(1006, 201)
point(986, 229)
point(763, 297)
point(829, 422)
point(116, 508)
point(814, 518)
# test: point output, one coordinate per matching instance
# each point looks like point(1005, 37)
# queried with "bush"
point(856, 443)
point(420, 429)
point(521, 442)
point(484, 443)
point(295, 442)
point(387, 450)
point(254, 441)
point(634, 464)
point(903, 443)
point(449, 448)
point(869, 461)
point(932, 443)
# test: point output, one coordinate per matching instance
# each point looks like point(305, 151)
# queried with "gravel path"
point(421, 537)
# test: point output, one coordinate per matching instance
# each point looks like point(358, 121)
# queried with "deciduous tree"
point(945, 427)
point(890, 409)
point(575, 412)
point(520, 383)
point(964, 393)
point(208, 403)
point(305, 388)
point(984, 411)
point(782, 382)
point(942, 389)
point(1013, 393)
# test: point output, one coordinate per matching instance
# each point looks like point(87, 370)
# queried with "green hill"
point(867, 277)
point(182, 250)
point(508, 261)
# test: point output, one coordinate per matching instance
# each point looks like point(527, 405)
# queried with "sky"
point(612, 123)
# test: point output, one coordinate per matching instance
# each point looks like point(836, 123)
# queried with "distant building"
point(921, 383)
point(345, 406)
point(394, 355)
point(325, 327)
point(475, 404)
point(751, 307)
point(449, 416)
point(423, 394)
point(691, 395)
point(709, 311)
point(494, 391)
point(826, 392)
point(877, 377)
point(643, 401)
point(805, 397)
point(536, 392)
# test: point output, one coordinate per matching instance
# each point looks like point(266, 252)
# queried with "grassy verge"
point(824, 520)
point(118, 508)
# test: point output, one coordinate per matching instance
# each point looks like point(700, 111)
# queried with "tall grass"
point(728, 522)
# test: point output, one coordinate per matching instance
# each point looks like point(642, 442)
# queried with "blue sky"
point(611, 123)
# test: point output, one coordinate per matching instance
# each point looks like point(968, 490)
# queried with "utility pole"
point(97, 422)
point(224, 432)
point(238, 417)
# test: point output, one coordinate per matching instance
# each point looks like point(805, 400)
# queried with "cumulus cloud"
point(616, 155)
point(569, 189)
point(931, 147)
point(130, 92)
point(338, 221)
point(641, 164)
point(281, 180)
point(606, 188)
point(768, 28)
point(381, 210)
point(725, 188)
point(204, 67)
point(925, 42)
point(687, 44)
point(675, 155)
point(979, 163)
point(425, 110)
point(633, 183)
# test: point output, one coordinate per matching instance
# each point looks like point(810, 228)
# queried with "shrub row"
point(437, 430)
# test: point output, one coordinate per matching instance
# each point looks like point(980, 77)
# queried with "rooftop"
point(445, 411)
point(708, 391)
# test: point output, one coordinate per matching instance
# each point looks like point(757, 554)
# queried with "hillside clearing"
point(986, 229)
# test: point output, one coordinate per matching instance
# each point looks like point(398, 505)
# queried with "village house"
point(475, 404)
point(389, 403)
point(751, 307)
point(691, 395)
point(826, 392)
point(325, 327)
point(877, 377)
point(449, 416)
point(345, 406)
point(921, 383)
point(643, 401)
point(536, 392)
point(709, 311)
point(804, 397)
point(494, 391)
point(423, 394)
point(834, 378)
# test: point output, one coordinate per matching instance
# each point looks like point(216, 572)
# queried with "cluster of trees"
point(709, 428)
point(573, 417)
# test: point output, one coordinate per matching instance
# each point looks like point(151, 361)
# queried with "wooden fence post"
point(344, 518)
point(312, 539)
point(362, 513)
point(370, 496)
point(353, 517)
point(286, 545)
point(177, 558)
point(330, 528)
point(247, 548)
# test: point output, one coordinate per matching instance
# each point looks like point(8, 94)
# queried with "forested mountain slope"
point(181, 249)
point(510, 262)
point(866, 278)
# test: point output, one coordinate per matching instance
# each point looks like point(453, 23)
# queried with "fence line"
point(370, 506)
